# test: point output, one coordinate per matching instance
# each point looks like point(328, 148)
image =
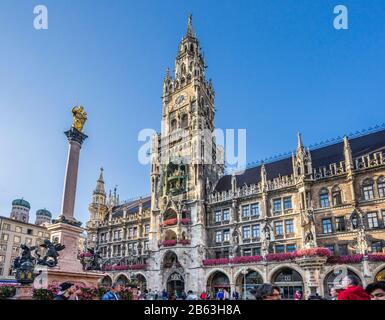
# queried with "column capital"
point(75, 135)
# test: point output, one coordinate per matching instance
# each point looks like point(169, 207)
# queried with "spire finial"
point(190, 27)
point(101, 174)
point(299, 145)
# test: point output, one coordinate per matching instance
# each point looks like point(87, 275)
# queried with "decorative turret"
point(43, 216)
point(348, 155)
point(20, 210)
point(302, 165)
point(98, 207)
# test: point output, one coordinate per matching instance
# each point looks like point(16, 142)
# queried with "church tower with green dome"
point(20, 210)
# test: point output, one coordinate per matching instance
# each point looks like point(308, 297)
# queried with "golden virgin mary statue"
point(79, 118)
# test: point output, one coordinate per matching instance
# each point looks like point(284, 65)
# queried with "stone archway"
point(175, 285)
point(216, 281)
point(141, 282)
point(106, 281)
point(247, 280)
point(334, 279)
point(122, 279)
point(380, 276)
point(289, 281)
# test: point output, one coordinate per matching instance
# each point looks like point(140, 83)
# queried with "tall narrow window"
point(287, 203)
point(279, 228)
point(381, 186)
point(218, 216)
point(245, 211)
point(246, 232)
point(327, 226)
point(289, 226)
point(256, 233)
point(372, 220)
point(340, 224)
point(324, 198)
point(336, 195)
point(218, 236)
point(367, 189)
point(277, 206)
point(255, 209)
point(226, 215)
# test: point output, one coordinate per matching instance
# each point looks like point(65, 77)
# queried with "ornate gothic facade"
point(203, 230)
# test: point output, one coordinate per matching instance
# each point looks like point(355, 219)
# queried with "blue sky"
point(278, 67)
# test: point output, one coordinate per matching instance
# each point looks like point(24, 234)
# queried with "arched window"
point(324, 198)
point(336, 196)
point(289, 281)
point(367, 189)
point(184, 122)
point(183, 69)
point(381, 186)
point(173, 124)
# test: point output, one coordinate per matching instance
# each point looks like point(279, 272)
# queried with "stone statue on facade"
point(265, 240)
point(362, 244)
point(79, 118)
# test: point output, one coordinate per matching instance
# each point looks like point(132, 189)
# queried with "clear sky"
point(278, 67)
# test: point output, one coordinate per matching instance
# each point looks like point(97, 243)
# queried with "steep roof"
point(131, 207)
point(321, 157)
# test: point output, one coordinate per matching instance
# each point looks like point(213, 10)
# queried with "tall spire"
point(300, 144)
point(100, 183)
point(190, 32)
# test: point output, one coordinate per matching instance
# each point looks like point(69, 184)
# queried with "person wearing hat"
point(66, 290)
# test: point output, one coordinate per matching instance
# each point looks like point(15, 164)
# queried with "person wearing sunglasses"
point(376, 290)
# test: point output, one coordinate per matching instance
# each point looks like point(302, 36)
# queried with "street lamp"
point(244, 272)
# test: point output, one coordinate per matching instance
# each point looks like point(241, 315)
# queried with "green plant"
point(7, 291)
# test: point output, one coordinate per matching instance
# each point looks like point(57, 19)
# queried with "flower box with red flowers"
point(169, 243)
point(215, 262)
point(376, 257)
point(185, 221)
point(280, 256)
point(313, 252)
point(355, 258)
point(170, 222)
point(184, 242)
point(246, 259)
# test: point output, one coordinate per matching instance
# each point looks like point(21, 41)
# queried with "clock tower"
point(185, 165)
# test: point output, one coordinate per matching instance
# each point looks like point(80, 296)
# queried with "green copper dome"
point(44, 212)
point(21, 202)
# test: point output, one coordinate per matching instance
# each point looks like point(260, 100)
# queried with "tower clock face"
point(179, 100)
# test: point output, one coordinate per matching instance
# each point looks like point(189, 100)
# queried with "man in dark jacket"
point(66, 290)
point(352, 289)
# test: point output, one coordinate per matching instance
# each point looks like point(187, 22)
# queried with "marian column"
point(66, 229)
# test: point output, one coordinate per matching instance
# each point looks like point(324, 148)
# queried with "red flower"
point(215, 262)
point(376, 257)
point(280, 256)
point(355, 258)
point(170, 222)
point(169, 243)
point(320, 252)
point(184, 242)
point(246, 259)
point(185, 221)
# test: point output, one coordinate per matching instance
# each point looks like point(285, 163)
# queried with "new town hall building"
point(203, 230)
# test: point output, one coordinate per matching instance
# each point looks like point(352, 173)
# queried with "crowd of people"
point(350, 289)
